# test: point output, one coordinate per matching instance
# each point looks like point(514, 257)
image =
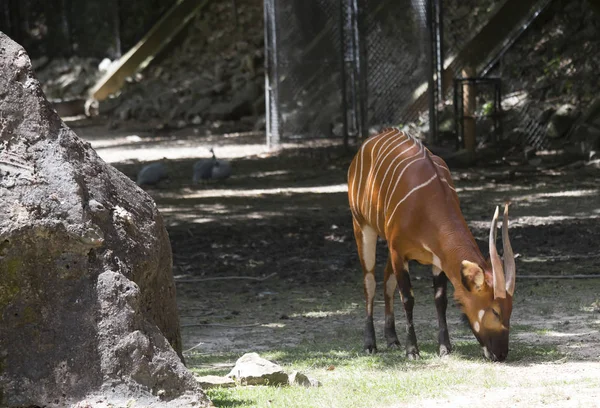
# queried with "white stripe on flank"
point(441, 166)
point(410, 192)
point(389, 167)
point(390, 192)
point(392, 148)
point(351, 188)
point(369, 182)
point(397, 157)
point(446, 181)
point(362, 154)
point(389, 142)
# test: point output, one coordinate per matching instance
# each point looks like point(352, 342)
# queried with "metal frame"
point(459, 115)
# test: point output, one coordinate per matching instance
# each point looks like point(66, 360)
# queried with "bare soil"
point(283, 218)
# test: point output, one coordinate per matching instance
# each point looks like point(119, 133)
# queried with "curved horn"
point(497, 270)
point(509, 256)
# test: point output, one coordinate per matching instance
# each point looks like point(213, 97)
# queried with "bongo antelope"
point(400, 191)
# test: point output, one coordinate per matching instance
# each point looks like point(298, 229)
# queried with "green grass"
point(359, 380)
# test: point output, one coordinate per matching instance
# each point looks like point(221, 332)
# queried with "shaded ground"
point(283, 218)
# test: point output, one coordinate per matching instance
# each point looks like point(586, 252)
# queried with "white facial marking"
point(480, 314)
point(369, 246)
point(476, 327)
point(487, 353)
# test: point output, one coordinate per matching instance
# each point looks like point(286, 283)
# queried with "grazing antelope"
point(400, 191)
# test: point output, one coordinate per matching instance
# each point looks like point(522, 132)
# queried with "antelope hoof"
point(394, 344)
point(370, 349)
point(445, 350)
point(413, 355)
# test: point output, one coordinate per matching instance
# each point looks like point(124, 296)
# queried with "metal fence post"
point(436, 64)
point(360, 8)
point(272, 123)
point(342, 33)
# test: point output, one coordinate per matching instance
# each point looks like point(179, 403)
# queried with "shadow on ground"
point(267, 260)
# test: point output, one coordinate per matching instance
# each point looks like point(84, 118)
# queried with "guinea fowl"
point(211, 169)
point(152, 174)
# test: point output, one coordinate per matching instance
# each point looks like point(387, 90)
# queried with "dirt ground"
point(283, 220)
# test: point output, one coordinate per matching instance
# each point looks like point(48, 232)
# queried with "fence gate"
point(345, 67)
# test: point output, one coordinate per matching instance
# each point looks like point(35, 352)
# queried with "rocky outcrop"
point(87, 297)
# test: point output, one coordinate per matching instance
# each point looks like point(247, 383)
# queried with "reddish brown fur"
point(400, 189)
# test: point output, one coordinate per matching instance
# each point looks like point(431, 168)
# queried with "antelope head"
point(490, 306)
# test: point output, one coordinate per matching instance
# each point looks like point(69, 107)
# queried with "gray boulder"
point(87, 297)
point(251, 369)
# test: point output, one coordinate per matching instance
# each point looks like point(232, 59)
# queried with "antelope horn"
point(509, 256)
point(497, 270)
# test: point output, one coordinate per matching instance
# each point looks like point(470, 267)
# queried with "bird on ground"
point(211, 169)
point(152, 174)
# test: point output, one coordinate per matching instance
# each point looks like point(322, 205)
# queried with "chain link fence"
point(304, 45)
point(343, 67)
point(351, 67)
point(397, 64)
point(347, 68)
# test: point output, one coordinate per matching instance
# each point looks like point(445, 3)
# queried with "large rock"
point(87, 298)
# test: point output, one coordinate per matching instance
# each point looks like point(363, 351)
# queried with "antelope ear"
point(472, 275)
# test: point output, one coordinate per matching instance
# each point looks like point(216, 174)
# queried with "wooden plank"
point(138, 57)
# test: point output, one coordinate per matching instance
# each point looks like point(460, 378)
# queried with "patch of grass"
point(351, 378)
